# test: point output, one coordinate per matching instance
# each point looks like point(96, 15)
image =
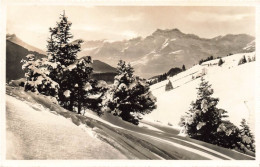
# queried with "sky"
point(32, 23)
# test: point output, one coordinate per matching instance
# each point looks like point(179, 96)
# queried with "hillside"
point(14, 54)
point(101, 67)
point(14, 39)
point(232, 84)
point(39, 129)
point(51, 136)
point(164, 49)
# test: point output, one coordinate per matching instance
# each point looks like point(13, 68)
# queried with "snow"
point(87, 86)
point(67, 93)
point(90, 48)
point(72, 66)
point(145, 59)
point(250, 45)
point(35, 133)
point(176, 52)
point(232, 84)
point(92, 115)
point(148, 127)
point(205, 148)
point(165, 44)
point(187, 148)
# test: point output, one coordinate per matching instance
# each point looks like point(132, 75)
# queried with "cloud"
point(217, 17)
point(127, 18)
point(86, 28)
point(125, 22)
point(129, 34)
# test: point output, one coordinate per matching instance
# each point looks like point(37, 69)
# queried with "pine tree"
point(242, 60)
point(130, 96)
point(247, 138)
point(168, 86)
point(220, 62)
point(59, 47)
point(249, 59)
point(183, 68)
point(204, 118)
point(63, 53)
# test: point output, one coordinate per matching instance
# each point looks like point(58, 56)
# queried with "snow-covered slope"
point(33, 132)
point(38, 128)
point(232, 84)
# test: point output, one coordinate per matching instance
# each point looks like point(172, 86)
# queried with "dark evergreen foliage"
point(247, 138)
point(131, 97)
point(204, 121)
point(204, 117)
point(220, 62)
point(207, 59)
point(183, 68)
point(242, 60)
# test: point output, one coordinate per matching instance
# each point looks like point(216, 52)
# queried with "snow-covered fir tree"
point(168, 86)
point(249, 59)
point(242, 60)
point(63, 53)
point(76, 79)
point(130, 97)
point(227, 135)
point(84, 92)
point(247, 138)
point(60, 49)
point(220, 62)
point(204, 118)
point(37, 79)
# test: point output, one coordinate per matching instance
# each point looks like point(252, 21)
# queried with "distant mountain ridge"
point(165, 49)
point(101, 67)
point(15, 53)
point(13, 38)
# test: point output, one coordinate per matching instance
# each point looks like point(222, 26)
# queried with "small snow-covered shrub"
point(37, 79)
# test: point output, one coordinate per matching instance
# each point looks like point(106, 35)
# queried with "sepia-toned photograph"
point(130, 82)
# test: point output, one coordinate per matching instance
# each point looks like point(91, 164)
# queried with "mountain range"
point(165, 49)
point(16, 50)
point(150, 56)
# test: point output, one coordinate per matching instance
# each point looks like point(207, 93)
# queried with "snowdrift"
point(35, 132)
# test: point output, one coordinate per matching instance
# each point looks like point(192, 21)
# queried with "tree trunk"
point(79, 98)
point(71, 102)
